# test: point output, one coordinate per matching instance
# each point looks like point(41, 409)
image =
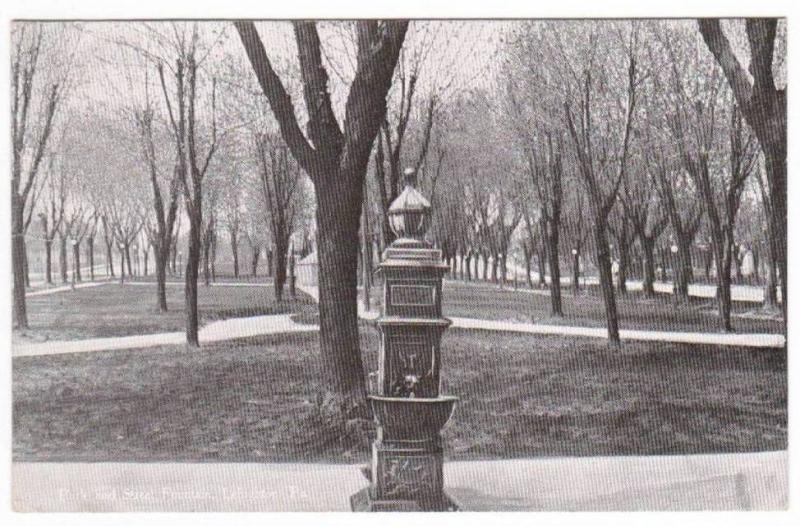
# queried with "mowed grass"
point(486, 301)
point(521, 396)
point(114, 310)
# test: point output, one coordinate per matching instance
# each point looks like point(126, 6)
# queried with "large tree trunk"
point(338, 262)
point(338, 190)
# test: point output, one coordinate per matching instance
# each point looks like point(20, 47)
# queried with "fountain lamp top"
point(410, 213)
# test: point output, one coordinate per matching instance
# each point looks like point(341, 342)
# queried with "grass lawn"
point(635, 311)
point(114, 310)
point(521, 396)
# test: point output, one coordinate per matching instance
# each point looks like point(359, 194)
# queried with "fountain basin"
point(412, 418)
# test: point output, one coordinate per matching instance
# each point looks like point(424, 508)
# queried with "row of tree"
point(620, 138)
point(601, 137)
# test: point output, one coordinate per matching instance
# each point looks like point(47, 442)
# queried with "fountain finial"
point(410, 214)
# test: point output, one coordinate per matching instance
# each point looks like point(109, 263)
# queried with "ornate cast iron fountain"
point(406, 468)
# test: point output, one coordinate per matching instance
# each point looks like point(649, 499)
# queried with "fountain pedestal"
point(406, 469)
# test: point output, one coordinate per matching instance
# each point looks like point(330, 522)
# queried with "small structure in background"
point(307, 270)
point(406, 469)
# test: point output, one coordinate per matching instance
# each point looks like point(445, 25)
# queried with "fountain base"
point(406, 469)
point(363, 501)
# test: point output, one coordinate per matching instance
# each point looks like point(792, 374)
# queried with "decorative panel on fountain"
point(413, 294)
point(410, 361)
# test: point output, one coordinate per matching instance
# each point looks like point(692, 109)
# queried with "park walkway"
point(65, 288)
point(201, 284)
point(234, 328)
point(222, 330)
point(730, 339)
point(741, 481)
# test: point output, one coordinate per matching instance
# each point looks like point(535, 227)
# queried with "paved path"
point(747, 481)
point(710, 338)
point(216, 331)
point(65, 288)
point(201, 284)
point(282, 323)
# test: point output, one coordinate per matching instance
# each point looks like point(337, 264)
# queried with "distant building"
point(307, 269)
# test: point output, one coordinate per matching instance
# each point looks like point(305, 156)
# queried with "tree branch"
point(719, 45)
point(279, 99)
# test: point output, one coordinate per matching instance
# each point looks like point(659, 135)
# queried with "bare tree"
point(546, 173)
point(52, 215)
point(165, 211)
point(646, 216)
point(280, 184)
point(33, 110)
point(422, 83)
point(181, 102)
point(696, 120)
point(123, 218)
point(336, 160)
point(233, 223)
point(624, 235)
point(601, 164)
point(209, 236)
point(576, 229)
point(764, 107)
point(722, 197)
